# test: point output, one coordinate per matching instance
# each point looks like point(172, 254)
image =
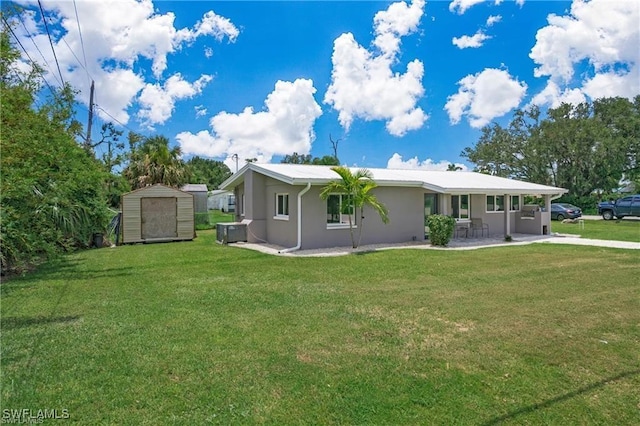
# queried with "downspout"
point(300, 194)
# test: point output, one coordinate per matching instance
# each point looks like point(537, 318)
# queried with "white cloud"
point(208, 52)
point(283, 127)
point(493, 19)
point(363, 83)
point(473, 41)
point(461, 6)
point(612, 84)
point(158, 102)
point(396, 162)
point(117, 35)
point(553, 96)
point(201, 111)
point(212, 25)
point(484, 96)
point(601, 35)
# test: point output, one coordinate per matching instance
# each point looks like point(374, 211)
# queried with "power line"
point(114, 119)
point(33, 63)
point(74, 55)
point(36, 46)
point(44, 19)
point(84, 55)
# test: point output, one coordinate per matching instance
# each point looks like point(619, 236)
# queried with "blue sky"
point(399, 84)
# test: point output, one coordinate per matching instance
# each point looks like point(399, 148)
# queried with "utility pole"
point(87, 143)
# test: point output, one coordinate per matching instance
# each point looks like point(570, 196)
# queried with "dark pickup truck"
point(625, 206)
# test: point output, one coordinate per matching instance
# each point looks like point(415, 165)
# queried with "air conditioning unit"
point(231, 232)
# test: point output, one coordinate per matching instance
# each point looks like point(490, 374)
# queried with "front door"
point(430, 207)
point(159, 217)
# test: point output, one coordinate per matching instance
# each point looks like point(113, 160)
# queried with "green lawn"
point(196, 333)
point(619, 230)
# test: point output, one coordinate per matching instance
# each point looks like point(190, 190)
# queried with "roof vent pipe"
point(300, 194)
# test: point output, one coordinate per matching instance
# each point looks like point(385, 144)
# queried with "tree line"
point(55, 192)
point(590, 148)
point(58, 188)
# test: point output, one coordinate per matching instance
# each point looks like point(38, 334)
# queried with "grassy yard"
point(196, 333)
point(618, 230)
point(211, 218)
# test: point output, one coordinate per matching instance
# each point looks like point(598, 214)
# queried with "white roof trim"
point(437, 181)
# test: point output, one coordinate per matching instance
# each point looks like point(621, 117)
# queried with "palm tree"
point(154, 162)
point(357, 188)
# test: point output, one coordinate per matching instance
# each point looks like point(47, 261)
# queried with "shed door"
point(159, 217)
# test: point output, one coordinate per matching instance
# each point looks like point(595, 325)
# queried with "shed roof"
point(438, 181)
point(157, 187)
point(195, 187)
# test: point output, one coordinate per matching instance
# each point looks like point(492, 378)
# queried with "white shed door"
point(159, 217)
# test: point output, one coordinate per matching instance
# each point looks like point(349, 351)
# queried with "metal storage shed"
point(157, 213)
point(200, 193)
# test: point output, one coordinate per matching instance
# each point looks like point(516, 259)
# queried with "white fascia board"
point(233, 180)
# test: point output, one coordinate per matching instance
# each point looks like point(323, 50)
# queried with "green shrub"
point(440, 229)
point(52, 193)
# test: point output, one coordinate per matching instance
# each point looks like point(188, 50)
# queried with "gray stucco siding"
point(406, 219)
point(281, 231)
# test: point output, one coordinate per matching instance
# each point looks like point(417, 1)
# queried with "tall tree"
point(210, 172)
point(51, 190)
point(152, 161)
point(295, 158)
point(579, 147)
point(357, 187)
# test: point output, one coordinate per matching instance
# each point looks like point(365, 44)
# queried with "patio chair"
point(478, 225)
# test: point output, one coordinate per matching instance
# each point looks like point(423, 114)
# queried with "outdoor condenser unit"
point(231, 232)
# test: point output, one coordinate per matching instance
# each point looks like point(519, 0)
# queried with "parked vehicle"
point(625, 206)
point(562, 211)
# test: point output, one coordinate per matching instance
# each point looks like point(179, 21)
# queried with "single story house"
point(281, 204)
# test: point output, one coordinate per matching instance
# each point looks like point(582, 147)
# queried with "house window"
point(339, 210)
point(515, 203)
point(460, 206)
point(495, 203)
point(242, 210)
point(282, 206)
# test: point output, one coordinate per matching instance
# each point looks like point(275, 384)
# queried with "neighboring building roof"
point(157, 187)
point(219, 192)
point(195, 187)
point(448, 182)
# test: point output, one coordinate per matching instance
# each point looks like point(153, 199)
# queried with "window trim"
point(280, 215)
point(495, 204)
point(459, 218)
point(511, 209)
point(340, 225)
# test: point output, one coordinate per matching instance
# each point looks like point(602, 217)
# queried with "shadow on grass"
point(11, 323)
point(561, 398)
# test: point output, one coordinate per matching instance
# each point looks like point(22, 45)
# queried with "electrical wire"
point(46, 26)
point(113, 118)
point(36, 46)
point(84, 55)
point(33, 63)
